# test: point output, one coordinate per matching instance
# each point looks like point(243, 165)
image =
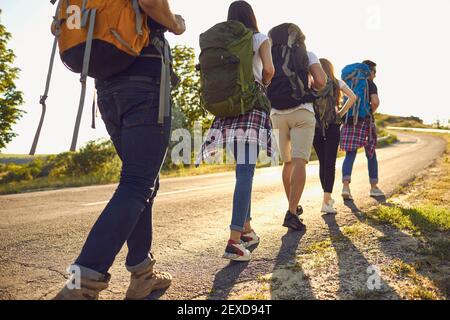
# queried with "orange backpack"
point(96, 38)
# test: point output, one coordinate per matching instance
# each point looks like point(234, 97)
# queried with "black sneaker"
point(293, 221)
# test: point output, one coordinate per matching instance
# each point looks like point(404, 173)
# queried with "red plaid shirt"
point(253, 127)
point(363, 134)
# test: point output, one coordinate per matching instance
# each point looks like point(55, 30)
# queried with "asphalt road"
point(42, 233)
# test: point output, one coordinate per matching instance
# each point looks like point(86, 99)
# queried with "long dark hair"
point(243, 12)
point(329, 70)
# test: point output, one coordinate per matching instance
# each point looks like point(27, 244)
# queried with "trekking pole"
point(47, 84)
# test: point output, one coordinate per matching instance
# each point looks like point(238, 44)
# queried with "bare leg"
point(247, 227)
point(235, 236)
point(298, 180)
point(326, 197)
point(287, 174)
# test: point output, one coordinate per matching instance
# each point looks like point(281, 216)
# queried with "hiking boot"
point(236, 252)
point(346, 194)
point(89, 289)
point(145, 281)
point(376, 192)
point(293, 221)
point(328, 208)
point(249, 239)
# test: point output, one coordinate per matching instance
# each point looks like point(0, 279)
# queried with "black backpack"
point(290, 85)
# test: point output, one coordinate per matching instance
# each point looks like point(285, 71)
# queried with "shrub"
point(97, 159)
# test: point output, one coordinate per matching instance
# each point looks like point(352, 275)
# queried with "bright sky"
point(407, 38)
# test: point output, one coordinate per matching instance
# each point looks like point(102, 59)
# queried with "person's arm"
point(374, 102)
point(318, 75)
point(265, 51)
point(350, 101)
point(159, 10)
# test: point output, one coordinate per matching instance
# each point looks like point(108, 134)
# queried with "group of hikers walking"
point(251, 83)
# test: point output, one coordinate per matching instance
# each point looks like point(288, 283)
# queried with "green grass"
point(391, 140)
point(190, 171)
point(418, 288)
point(385, 120)
point(420, 219)
point(319, 247)
point(257, 296)
point(354, 231)
point(41, 184)
point(439, 248)
point(19, 158)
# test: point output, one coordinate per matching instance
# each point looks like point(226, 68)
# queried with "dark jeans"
point(129, 108)
point(327, 149)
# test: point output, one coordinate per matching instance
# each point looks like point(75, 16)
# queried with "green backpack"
point(228, 86)
point(325, 106)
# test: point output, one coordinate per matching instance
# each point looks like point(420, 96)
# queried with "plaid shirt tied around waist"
point(363, 134)
point(254, 127)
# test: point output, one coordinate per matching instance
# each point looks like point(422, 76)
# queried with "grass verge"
point(423, 212)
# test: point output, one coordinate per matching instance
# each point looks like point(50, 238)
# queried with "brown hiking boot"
point(147, 280)
point(89, 290)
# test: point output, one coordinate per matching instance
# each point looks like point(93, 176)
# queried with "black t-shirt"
point(372, 88)
point(142, 66)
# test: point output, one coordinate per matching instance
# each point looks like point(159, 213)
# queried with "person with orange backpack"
point(135, 105)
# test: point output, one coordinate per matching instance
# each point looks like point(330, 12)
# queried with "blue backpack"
point(356, 76)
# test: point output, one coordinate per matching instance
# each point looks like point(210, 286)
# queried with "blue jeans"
point(349, 160)
point(129, 108)
point(246, 157)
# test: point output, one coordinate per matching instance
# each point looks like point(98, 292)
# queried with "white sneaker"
point(236, 252)
point(249, 239)
point(376, 192)
point(328, 208)
point(346, 194)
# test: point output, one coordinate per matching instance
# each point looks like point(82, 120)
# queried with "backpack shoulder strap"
point(44, 97)
point(84, 75)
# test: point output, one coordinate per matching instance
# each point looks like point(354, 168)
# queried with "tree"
point(187, 95)
point(10, 98)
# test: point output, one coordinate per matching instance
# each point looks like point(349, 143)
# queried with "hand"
point(180, 25)
point(53, 28)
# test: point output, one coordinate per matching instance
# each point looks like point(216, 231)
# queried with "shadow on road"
point(354, 269)
point(287, 255)
point(225, 280)
point(156, 295)
point(381, 200)
point(352, 206)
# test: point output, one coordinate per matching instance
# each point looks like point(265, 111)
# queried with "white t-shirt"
point(308, 106)
point(343, 85)
point(258, 40)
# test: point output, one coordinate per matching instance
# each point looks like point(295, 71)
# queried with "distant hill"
point(385, 120)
